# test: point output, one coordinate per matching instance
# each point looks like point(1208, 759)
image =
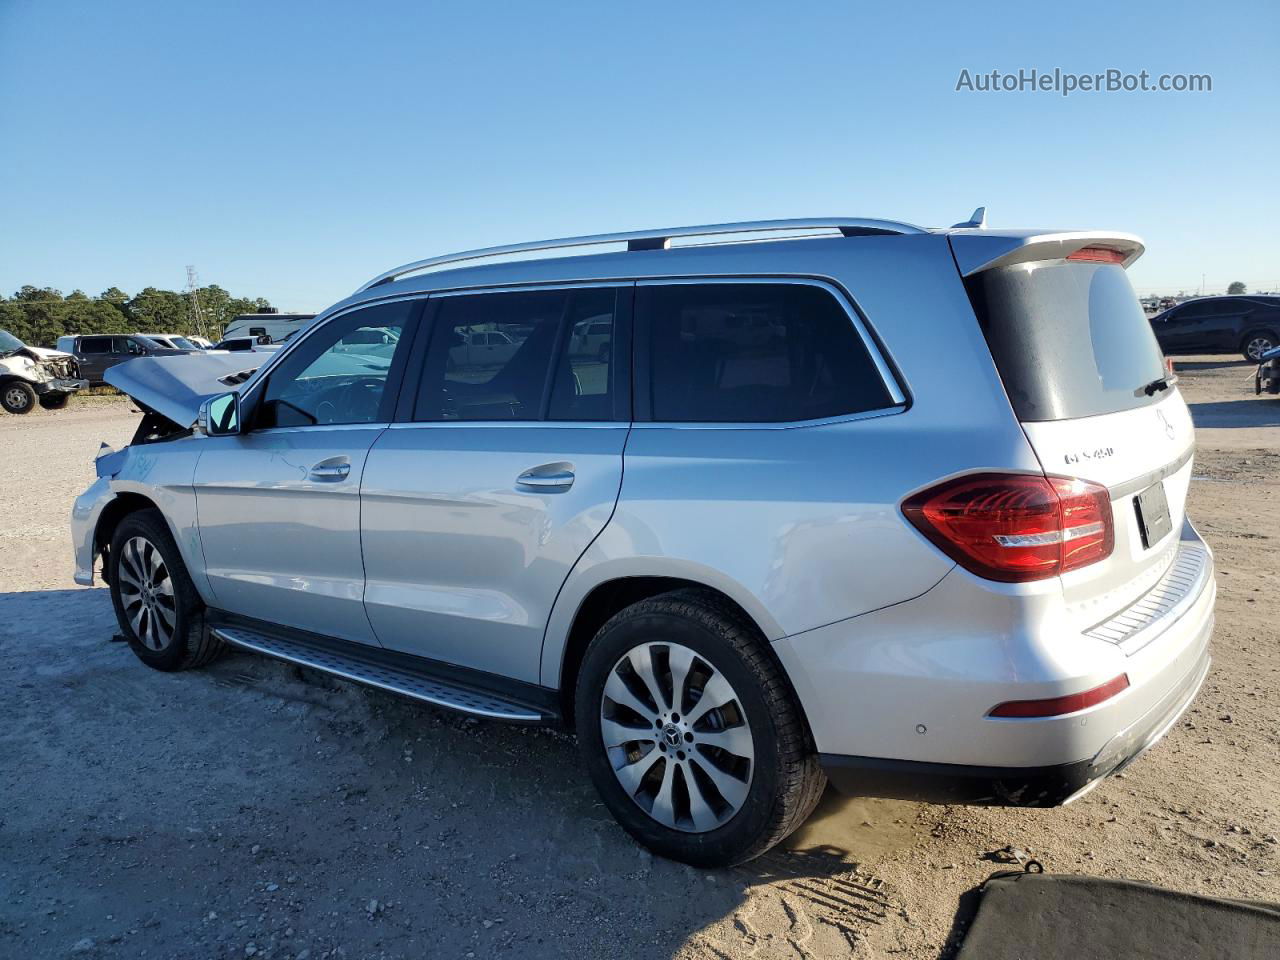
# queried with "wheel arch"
point(116, 509)
point(563, 650)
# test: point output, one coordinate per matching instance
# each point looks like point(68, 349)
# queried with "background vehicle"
point(268, 323)
point(483, 349)
point(1249, 325)
point(97, 353)
point(31, 375)
point(593, 337)
point(262, 343)
point(173, 341)
point(767, 541)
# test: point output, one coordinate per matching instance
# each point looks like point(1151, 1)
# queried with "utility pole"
point(195, 316)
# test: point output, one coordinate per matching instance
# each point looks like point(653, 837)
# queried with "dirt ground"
point(257, 810)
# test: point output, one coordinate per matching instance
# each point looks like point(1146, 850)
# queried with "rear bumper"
point(899, 700)
point(1047, 786)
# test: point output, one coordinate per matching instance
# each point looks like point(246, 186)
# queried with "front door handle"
point(549, 476)
point(330, 470)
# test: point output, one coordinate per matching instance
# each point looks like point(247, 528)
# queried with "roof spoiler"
point(977, 249)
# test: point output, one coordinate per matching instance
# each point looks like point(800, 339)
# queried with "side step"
point(371, 669)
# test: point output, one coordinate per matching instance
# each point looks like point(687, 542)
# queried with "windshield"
point(9, 343)
point(1069, 338)
point(182, 343)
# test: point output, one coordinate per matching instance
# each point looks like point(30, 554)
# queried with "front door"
point(279, 505)
point(474, 514)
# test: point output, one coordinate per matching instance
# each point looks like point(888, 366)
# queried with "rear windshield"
point(1069, 338)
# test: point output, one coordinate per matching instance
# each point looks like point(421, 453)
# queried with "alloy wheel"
point(1257, 347)
point(146, 593)
point(677, 737)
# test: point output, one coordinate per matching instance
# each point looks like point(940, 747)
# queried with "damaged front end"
point(51, 375)
point(170, 392)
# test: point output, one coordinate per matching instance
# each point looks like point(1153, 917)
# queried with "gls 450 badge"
point(1099, 454)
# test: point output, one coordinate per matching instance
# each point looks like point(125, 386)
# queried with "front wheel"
point(156, 604)
point(691, 734)
point(17, 397)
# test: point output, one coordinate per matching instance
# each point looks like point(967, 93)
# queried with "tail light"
point(1016, 527)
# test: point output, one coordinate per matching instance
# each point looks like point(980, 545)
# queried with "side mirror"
point(220, 416)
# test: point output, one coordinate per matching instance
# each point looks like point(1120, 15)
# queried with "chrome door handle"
point(560, 479)
point(330, 471)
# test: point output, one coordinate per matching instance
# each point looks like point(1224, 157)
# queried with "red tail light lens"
point(1016, 527)
point(1098, 255)
point(1057, 706)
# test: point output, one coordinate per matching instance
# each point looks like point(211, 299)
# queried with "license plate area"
point(1152, 509)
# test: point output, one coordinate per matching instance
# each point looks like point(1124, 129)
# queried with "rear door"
point(1087, 381)
point(506, 468)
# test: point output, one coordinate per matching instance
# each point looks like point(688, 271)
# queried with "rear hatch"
point(1089, 385)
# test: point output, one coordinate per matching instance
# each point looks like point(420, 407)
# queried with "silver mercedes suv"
point(748, 506)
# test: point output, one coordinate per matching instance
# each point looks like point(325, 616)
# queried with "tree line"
point(40, 315)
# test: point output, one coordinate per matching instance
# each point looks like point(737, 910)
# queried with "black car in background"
point(95, 353)
point(1249, 325)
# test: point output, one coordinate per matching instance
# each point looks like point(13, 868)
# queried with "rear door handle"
point(330, 470)
point(550, 476)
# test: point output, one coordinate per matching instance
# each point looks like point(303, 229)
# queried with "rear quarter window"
point(1068, 338)
point(755, 353)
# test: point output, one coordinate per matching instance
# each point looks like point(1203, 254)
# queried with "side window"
point(585, 391)
point(95, 344)
point(340, 373)
point(755, 353)
point(126, 345)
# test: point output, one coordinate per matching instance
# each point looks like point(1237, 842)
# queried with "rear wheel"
point(17, 396)
point(156, 605)
point(691, 734)
point(1255, 344)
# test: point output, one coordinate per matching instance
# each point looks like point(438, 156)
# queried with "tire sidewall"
point(729, 842)
point(150, 526)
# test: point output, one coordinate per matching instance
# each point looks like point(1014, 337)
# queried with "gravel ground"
point(258, 810)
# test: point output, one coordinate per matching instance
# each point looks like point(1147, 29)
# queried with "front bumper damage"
point(59, 385)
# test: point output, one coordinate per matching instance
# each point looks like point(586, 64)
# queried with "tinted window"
point(340, 374)
point(755, 353)
point(511, 356)
point(95, 344)
point(1068, 338)
point(586, 392)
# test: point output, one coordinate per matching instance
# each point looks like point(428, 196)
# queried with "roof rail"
point(657, 240)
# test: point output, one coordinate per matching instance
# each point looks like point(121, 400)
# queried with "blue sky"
point(292, 150)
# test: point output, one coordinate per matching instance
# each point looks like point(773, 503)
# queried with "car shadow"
point(1250, 411)
point(1189, 366)
point(258, 804)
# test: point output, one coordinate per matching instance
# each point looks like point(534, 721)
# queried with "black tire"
point(16, 396)
point(786, 780)
point(191, 643)
point(1249, 341)
point(54, 401)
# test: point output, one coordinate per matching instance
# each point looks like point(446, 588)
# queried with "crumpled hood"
point(46, 354)
point(176, 386)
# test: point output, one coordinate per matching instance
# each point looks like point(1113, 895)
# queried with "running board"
point(367, 669)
